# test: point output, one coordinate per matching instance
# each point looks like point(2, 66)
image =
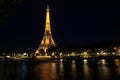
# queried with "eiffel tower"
point(47, 40)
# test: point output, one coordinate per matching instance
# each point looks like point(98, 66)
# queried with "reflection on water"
point(12, 70)
point(74, 75)
point(117, 62)
point(86, 69)
point(103, 70)
point(46, 71)
point(24, 70)
point(61, 70)
point(102, 61)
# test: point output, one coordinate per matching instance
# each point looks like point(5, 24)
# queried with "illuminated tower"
point(47, 40)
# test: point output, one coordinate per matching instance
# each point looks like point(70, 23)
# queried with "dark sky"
point(73, 22)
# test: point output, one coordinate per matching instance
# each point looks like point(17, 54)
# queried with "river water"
point(61, 70)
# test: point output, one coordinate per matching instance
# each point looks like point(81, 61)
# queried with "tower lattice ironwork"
point(47, 40)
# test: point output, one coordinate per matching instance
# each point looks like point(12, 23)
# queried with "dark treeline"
point(101, 45)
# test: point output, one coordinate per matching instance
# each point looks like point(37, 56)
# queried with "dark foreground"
point(84, 69)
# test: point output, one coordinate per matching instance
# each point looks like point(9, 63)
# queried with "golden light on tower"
point(47, 40)
point(37, 52)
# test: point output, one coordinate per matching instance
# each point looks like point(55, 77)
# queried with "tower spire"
point(47, 6)
point(47, 25)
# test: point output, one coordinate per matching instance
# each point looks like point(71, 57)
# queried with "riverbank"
point(49, 58)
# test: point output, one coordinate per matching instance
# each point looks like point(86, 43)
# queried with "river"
point(61, 70)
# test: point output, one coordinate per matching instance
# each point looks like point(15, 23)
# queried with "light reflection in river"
point(102, 61)
point(61, 70)
point(87, 70)
point(74, 74)
point(104, 71)
point(45, 71)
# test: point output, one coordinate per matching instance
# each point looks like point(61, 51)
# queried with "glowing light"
point(85, 54)
point(73, 61)
point(117, 62)
point(97, 53)
point(113, 53)
point(102, 61)
point(73, 54)
point(47, 40)
point(24, 54)
point(61, 60)
point(7, 56)
point(85, 60)
point(61, 54)
point(114, 48)
point(43, 57)
point(37, 51)
point(46, 54)
point(53, 54)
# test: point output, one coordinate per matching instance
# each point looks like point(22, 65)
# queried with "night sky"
point(73, 22)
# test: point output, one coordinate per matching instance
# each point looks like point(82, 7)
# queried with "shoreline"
point(61, 58)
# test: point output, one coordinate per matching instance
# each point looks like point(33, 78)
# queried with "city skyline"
point(73, 23)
